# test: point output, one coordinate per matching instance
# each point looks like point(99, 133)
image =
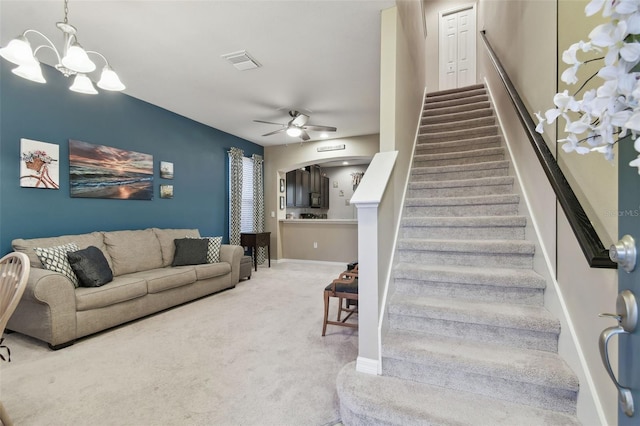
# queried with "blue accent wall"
point(52, 113)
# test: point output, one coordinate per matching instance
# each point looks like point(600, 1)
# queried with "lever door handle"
point(624, 394)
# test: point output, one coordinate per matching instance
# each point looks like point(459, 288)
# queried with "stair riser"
point(463, 233)
point(459, 116)
point(445, 110)
point(449, 147)
point(489, 260)
point(457, 125)
point(475, 132)
point(472, 292)
point(420, 176)
point(462, 211)
point(454, 102)
point(518, 338)
point(545, 397)
point(460, 191)
point(464, 94)
point(426, 162)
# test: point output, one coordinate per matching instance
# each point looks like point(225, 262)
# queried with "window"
point(246, 221)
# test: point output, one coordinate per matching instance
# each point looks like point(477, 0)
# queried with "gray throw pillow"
point(90, 266)
point(190, 251)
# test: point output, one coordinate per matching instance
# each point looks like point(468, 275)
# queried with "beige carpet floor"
point(253, 355)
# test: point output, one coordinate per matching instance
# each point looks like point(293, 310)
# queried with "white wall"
point(524, 35)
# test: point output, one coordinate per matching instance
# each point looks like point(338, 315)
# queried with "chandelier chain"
point(66, 11)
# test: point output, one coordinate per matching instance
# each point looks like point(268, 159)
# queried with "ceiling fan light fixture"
point(294, 132)
point(324, 135)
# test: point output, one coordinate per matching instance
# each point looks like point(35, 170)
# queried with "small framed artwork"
point(39, 164)
point(281, 203)
point(166, 191)
point(166, 170)
point(281, 185)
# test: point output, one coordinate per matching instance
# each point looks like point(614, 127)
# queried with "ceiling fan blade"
point(320, 128)
point(274, 132)
point(304, 136)
point(268, 122)
point(300, 120)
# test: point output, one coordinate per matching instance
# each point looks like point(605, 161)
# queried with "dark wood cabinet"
point(316, 179)
point(324, 192)
point(298, 185)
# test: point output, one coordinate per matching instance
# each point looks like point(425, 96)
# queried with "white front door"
point(457, 48)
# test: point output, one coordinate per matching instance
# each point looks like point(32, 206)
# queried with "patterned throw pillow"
point(213, 249)
point(55, 259)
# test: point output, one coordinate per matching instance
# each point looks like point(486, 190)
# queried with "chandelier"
point(74, 60)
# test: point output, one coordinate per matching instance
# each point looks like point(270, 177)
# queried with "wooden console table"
point(254, 240)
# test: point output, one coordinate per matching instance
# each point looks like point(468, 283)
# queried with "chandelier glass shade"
point(73, 60)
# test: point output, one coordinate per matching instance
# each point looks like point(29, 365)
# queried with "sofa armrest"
point(47, 309)
point(232, 255)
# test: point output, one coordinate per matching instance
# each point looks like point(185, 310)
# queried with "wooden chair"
point(14, 271)
point(345, 288)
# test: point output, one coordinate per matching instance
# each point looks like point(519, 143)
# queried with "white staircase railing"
point(375, 212)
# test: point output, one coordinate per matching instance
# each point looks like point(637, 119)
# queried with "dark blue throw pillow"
point(90, 266)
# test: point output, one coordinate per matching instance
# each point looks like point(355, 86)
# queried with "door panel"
point(629, 224)
point(457, 49)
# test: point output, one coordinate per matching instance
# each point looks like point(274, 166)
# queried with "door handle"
point(627, 317)
point(624, 253)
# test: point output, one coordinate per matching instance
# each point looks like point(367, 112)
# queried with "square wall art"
point(100, 171)
point(39, 164)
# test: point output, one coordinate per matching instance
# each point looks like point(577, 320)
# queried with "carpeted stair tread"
point(460, 145)
point(499, 277)
point(457, 116)
point(443, 103)
point(454, 135)
point(444, 110)
point(367, 399)
point(464, 201)
point(524, 365)
point(475, 153)
point(457, 92)
point(486, 247)
point(456, 125)
point(502, 164)
point(457, 183)
point(533, 318)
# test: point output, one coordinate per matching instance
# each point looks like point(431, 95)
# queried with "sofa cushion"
point(119, 290)
point(90, 266)
point(55, 259)
point(210, 270)
point(190, 251)
point(133, 251)
point(83, 241)
point(166, 238)
point(162, 279)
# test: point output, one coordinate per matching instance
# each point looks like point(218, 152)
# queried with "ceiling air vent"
point(241, 60)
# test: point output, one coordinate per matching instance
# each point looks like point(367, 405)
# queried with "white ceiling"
point(321, 57)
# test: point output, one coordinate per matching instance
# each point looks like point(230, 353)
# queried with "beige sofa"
point(52, 309)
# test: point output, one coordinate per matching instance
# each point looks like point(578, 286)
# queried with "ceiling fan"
point(297, 126)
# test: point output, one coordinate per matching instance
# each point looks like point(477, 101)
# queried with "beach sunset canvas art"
point(99, 171)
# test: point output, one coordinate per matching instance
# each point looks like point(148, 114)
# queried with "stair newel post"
point(368, 200)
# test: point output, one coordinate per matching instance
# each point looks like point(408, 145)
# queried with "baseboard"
point(368, 366)
point(314, 262)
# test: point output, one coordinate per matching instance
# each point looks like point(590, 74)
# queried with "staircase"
point(470, 342)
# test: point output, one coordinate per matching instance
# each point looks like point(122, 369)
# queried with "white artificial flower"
point(607, 150)
point(541, 121)
point(593, 7)
point(625, 7)
point(636, 163)
point(634, 122)
point(569, 75)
